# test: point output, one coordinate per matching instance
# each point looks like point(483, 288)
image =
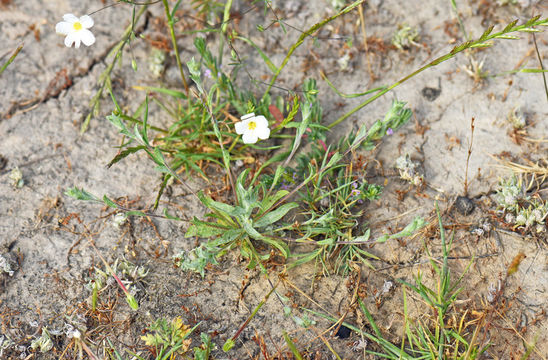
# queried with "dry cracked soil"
point(52, 244)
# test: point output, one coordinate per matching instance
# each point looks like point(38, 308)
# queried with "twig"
point(367, 55)
point(468, 157)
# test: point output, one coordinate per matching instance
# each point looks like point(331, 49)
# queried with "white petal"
point(249, 137)
point(240, 127)
point(70, 39)
point(86, 21)
point(87, 37)
point(262, 132)
point(70, 18)
point(64, 28)
point(261, 121)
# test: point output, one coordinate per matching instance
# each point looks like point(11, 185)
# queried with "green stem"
point(226, 16)
point(105, 75)
point(385, 90)
point(175, 47)
point(10, 60)
point(480, 42)
point(301, 39)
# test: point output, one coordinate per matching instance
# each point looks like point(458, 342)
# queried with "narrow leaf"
point(275, 215)
point(109, 202)
point(124, 154)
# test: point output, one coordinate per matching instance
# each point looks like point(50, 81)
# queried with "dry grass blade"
point(531, 168)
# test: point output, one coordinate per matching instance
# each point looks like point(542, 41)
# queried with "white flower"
point(76, 30)
point(252, 128)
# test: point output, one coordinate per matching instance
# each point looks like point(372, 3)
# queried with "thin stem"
point(175, 47)
point(366, 47)
point(12, 57)
point(301, 39)
point(226, 16)
point(480, 42)
point(541, 66)
point(468, 157)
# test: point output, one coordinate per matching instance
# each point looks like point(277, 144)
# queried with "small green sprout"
point(516, 117)
point(169, 337)
point(16, 177)
point(409, 170)
point(5, 266)
point(405, 37)
point(44, 342)
point(156, 62)
point(519, 209)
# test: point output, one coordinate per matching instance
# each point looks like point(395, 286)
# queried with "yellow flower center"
point(252, 125)
point(77, 26)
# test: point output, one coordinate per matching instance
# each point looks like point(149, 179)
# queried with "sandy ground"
point(46, 236)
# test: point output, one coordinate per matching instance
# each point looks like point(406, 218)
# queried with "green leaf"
point(145, 123)
point(136, 213)
point(132, 302)
point(302, 259)
point(275, 215)
point(333, 160)
point(204, 229)
point(271, 200)
point(229, 236)
point(119, 124)
point(530, 30)
point(173, 93)
point(265, 58)
point(12, 57)
point(507, 37)
point(158, 157)
point(364, 237)
point(171, 217)
point(533, 70)
point(109, 202)
point(481, 45)
point(125, 153)
point(254, 234)
point(292, 346)
point(417, 223)
point(81, 194)
point(229, 344)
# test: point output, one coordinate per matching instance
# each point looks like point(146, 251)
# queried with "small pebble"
point(464, 205)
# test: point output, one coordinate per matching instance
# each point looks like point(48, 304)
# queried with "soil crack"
point(64, 81)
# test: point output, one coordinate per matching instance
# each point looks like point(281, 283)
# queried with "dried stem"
point(468, 157)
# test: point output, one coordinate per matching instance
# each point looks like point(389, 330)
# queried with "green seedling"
point(43, 343)
point(168, 337)
point(518, 208)
point(405, 37)
point(434, 340)
point(12, 57)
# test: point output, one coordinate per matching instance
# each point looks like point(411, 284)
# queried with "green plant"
point(520, 209)
point(302, 199)
point(237, 225)
point(324, 185)
point(405, 37)
point(436, 338)
point(10, 60)
point(168, 337)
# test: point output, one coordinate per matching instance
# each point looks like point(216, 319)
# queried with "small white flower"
point(76, 30)
point(119, 220)
point(521, 219)
point(252, 128)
